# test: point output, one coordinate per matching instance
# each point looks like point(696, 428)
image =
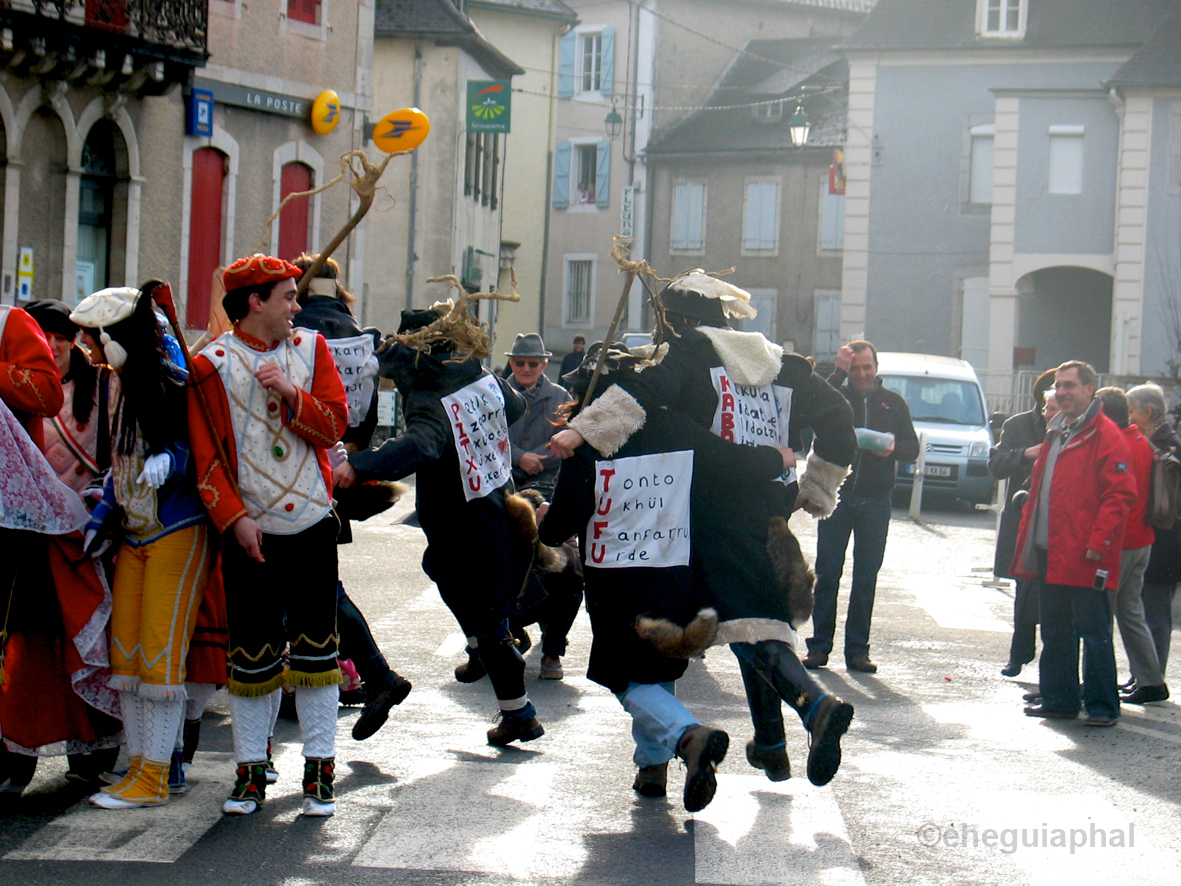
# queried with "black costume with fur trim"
point(732, 556)
point(475, 553)
point(615, 598)
point(480, 528)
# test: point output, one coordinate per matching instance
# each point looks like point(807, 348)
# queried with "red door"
point(295, 217)
point(205, 222)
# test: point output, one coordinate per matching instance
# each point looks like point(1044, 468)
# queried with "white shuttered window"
point(688, 221)
point(760, 222)
point(1066, 160)
point(832, 219)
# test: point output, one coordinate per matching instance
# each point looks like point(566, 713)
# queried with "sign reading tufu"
point(489, 105)
point(641, 513)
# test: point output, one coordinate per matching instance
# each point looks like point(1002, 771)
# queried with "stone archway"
point(1064, 313)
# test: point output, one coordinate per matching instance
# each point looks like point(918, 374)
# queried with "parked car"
point(636, 339)
point(947, 402)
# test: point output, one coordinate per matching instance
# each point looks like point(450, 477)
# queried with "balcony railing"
point(175, 23)
point(144, 47)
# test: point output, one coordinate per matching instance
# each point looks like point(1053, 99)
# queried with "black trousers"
point(290, 600)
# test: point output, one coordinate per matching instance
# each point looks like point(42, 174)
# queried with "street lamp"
point(798, 127)
point(613, 123)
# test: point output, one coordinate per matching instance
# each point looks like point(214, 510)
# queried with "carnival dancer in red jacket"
point(57, 699)
point(1071, 539)
point(277, 405)
point(30, 391)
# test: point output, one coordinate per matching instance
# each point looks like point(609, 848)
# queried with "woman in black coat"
point(1012, 459)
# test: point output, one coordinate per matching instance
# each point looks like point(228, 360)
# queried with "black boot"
point(192, 738)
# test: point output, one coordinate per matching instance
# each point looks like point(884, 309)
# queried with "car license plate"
point(944, 471)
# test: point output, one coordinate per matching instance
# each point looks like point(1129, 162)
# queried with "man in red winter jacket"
point(1071, 538)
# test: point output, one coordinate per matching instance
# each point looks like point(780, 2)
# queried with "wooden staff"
point(594, 380)
point(162, 296)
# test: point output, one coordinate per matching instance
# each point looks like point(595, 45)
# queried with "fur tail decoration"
point(792, 572)
point(674, 641)
point(521, 507)
point(364, 500)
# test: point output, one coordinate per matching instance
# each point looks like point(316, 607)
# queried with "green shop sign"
point(489, 105)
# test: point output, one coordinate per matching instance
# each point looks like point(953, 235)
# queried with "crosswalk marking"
point(963, 606)
point(454, 644)
point(159, 834)
point(758, 833)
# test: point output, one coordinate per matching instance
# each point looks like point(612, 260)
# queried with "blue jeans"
point(868, 521)
point(1069, 614)
point(658, 720)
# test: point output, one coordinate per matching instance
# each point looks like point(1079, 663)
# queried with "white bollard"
point(920, 470)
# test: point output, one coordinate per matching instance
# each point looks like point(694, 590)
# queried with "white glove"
point(156, 470)
point(337, 455)
point(88, 540)
point(92, 493)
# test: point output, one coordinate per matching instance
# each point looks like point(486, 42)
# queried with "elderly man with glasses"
point(534, 467)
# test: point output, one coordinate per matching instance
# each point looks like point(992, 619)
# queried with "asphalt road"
point(944, 780)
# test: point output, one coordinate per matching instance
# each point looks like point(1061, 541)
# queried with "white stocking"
point(276, 702)
point(317, 707)
point(251, 721)
point(199, 695)
point(133, 722)
point(162, 719)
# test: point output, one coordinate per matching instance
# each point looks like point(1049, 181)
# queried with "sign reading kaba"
point(489, 105)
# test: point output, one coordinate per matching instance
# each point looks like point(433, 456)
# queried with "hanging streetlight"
point(613, 123)
point(798, 127)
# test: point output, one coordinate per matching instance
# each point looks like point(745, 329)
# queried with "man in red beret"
point(277, 405)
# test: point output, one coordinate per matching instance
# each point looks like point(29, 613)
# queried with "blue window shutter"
point(561, 196)
point(607, 68)
point(602, 173)
point(566, 48)
point(696, 216)
point(832, 220)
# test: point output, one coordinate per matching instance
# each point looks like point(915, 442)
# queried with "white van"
point(945, 400)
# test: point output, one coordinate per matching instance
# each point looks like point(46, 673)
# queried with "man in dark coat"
point(864, 510)
point(745, 389)
point(326, 310)
point(456, 443)
point(573, 360)
point(1012, 459)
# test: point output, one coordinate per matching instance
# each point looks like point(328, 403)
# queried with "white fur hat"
point(735, 302)
point(106, 308)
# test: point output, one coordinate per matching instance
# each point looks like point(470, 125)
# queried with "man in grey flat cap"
point(534, 467)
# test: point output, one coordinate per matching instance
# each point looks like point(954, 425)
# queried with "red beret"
point(258, 270)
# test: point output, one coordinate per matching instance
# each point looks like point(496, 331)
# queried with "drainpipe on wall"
point(410, 257)
point(549, 177)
